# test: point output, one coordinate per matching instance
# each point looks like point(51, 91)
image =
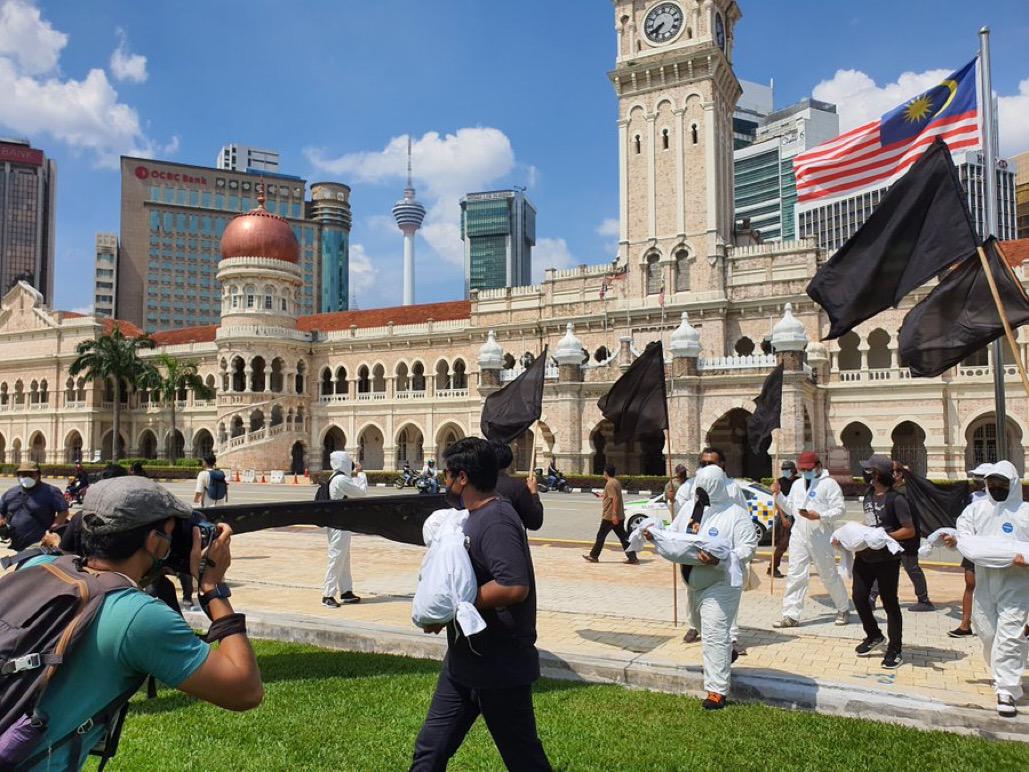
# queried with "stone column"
point(789, 342)
point(491, 362)
point(568, 432)
point(624, 352)
point(684, 396)
point(652, 175)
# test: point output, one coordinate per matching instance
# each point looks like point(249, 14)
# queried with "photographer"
point(127, 524)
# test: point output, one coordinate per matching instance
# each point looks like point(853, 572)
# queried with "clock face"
point(664, 21)
point(720, 31)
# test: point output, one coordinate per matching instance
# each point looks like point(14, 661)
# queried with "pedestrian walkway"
point(618, 616)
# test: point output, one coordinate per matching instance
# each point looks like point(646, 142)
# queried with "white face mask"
point(27, 482)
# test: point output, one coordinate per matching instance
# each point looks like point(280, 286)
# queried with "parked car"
point(760, 502)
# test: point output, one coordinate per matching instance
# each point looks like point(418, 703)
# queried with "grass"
point(326, 710)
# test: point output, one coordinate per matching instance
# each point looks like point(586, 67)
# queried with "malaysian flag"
point(878, 153)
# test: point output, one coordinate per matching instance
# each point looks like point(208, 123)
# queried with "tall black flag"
point(934, 507)
point(637, 404)
point(767, 414)
point(508, 413)
point(959, 316)
point(921, 227)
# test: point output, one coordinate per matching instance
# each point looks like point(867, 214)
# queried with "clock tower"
point(676, 96)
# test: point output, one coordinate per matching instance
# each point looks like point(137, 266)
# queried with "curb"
point(781, 690)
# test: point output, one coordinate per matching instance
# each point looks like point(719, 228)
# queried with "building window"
point(682, 271)
point(693, 133)
point(664, 139)
point(636, 143)
point(654, 283)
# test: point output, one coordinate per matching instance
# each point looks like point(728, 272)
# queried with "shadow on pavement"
point(639, 644)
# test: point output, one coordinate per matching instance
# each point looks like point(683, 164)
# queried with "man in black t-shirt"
point(523, 494)
point(491, 674)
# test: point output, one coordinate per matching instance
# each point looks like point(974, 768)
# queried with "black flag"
point(920, 227)
point(636, 404)
point(508, 413)
point(767, 413)
point(959, 316)
point(931, 506)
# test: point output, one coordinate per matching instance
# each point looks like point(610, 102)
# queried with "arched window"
point(849, 357)
point(664, 139)
point(636, 144)
point(879, 357)
point(694, 134)
point(460, 380)
point(682, 271)
point(250, 291)
point(269, 293)
point(654, 283)
point(326, 382)
point(234, 296)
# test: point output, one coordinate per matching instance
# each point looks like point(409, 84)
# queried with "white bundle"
point(984, 551)
point(685, 548)
point(933, 540)
point(446, 583)
point(854, 537)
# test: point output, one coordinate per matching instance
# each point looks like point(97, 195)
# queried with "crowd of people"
point(126, 521)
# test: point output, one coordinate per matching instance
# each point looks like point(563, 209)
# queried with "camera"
point(182, 541)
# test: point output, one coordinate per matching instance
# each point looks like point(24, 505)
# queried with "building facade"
point(105, 275)
point(241, 158)
point(28, 190)
point(1021, 164)
point(402, 383)
point(499, 231)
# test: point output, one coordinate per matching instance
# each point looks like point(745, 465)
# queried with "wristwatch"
point(221, 591)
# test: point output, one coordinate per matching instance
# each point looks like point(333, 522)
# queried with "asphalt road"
point(567, 516)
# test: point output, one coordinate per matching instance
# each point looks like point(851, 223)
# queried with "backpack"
point(217, 487)
point(44, 610)
point(322, 494)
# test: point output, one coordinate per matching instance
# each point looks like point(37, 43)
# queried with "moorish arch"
point(856, 438)
point(370, 448)
point(447, 435)
point(203, 443)
point(981, 442)
point(410, 446)
point(729, 435)
point(909, 446)
point(332, 440)
point(72, 447)
point(37, 448)
point(146, 445)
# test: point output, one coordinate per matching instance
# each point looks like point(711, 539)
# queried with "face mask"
point(998, 493)
point(158, 563)
point(809, 474)
point(27, 482)
point(453, 496)
point(869, 475)
point(702, 497)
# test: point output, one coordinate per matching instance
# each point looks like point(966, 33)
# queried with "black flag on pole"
point(921, 226)
point(636, 403)
point(934, 507)
point(959, 316)
point(508, 413)
point(767, 413)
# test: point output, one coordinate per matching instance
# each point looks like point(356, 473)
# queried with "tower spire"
point(409, 185)
point(409, 214)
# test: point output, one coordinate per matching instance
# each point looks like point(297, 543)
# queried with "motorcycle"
point(73, 493)
point(427, 484)
point(407, 478)
point(544, 485)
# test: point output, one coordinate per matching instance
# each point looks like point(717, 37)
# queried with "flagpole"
point(671, 511)
point(991, 228)
point(1008, 332)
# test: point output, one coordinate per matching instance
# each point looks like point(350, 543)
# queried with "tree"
point(112, 357)
point(167, 376)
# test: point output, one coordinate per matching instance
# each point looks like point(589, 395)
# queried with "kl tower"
point(409, 214)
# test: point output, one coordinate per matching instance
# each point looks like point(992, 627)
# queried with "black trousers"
point(508, 714)
point(887, 575)
point(915, 574)
point(606, 526)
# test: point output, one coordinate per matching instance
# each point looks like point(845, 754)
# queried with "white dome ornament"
point(491, 354)
point(685, 340)
point(788, 333)
point(569, 348)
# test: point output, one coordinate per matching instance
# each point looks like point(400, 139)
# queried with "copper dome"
point(259, 233)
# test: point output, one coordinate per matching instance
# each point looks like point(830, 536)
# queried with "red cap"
point(807, 460)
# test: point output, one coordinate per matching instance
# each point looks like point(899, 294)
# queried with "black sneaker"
point(893, 660)
point(864, 648)
point(922, 605)
point(330, 602)
point(349, 597)
point(960, 632)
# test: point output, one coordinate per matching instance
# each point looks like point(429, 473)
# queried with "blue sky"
point(494, 94)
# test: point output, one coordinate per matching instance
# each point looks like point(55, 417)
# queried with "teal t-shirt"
point(132, 636)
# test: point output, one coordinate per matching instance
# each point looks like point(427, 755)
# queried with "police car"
point(759, 499)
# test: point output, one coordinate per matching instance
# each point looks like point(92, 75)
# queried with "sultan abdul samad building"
point(401, 383)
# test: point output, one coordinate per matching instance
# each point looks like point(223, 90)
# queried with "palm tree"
point(176, 376)
point(112, 357)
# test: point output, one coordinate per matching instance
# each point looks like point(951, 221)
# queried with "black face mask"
point(869, 475)
point(998, 493)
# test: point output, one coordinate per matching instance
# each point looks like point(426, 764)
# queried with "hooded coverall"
point(338, 579)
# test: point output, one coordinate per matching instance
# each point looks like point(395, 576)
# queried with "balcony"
point(410, 394)
point(332, 399)
point(452, 393)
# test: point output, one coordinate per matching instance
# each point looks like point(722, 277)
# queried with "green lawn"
point(340, 711)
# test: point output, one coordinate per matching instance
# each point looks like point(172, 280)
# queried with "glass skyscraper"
point(330, 208)
point(27, 187)
point(499, 231)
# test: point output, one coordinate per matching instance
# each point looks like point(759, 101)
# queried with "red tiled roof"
point(71, 315)
point(1017, 252)
point(377, 317)
point(128, 329)
point(203, 334)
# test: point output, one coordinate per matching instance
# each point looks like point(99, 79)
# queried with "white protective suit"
point(713, 601)
point(1000, 604)
point(811, 541)
point(342, 486)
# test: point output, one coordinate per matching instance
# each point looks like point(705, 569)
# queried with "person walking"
point(782, 523)
point(815, 503)
point(883, 508)
point(212, 487)
point(977, 483)
point(31, 508)
point(672, 487)
point(909, 557)
point(347, 481)
point(523, 494)
point(612, 517)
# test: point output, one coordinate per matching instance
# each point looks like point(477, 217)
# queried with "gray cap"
point(879, 463)
point(123, 503)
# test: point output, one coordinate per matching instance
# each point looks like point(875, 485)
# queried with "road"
point(568, 516)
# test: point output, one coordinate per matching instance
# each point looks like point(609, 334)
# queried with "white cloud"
point(362, 272)
point(84, 310)
point(27, 39)
point(86, 114)
point(859, 99)
point(126, 65)
point(445, 167)
point(550, 253)
point(608, 228)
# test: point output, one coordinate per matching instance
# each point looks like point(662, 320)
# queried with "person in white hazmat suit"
point(713, 601)
point(816, 505)
point(1000, 604)
point(346, 482)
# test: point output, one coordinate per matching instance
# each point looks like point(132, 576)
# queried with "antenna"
point(408, 160)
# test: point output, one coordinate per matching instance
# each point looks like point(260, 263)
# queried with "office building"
point(330, 208)
point(172, 217)
point(754, 105)
point(28, 182)
point(499, 231)
point(105, 275)
point(765, 190)
point(240, 158)
point(1021, 164)
point(833, 222)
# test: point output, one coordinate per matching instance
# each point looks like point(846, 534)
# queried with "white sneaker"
point(842, 618)
point(1006, 706)
point(785, 622)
